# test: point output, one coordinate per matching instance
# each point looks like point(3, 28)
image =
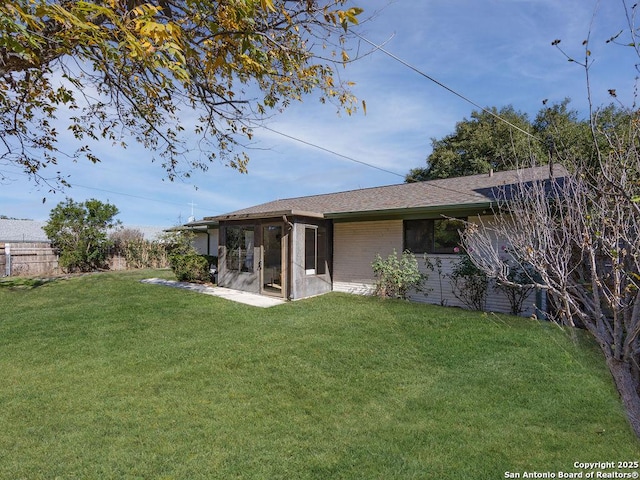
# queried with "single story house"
point(205, 235)
point(301, 247)
point(13, 230)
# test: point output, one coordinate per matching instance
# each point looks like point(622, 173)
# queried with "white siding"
point(200, 242)
point(361, 288)
point(357, 243)
point(439, 289)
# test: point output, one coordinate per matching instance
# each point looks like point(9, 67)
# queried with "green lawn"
point(102, 376)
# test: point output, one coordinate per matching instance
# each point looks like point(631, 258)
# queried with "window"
point(446, 238)
point(239, 244)
point(315, 250)
point(433, 236)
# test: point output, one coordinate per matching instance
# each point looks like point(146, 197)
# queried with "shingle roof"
point(470, 191)
point(22, 231)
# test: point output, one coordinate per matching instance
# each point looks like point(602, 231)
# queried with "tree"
point(79, 233)
point(485, 142)
point(575, 236)
point(562, 134)
point(159, 72)
point(585, 250)
point(479, 144)
point(578, 233)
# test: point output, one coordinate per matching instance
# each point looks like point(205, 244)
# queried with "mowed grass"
point(102, 376)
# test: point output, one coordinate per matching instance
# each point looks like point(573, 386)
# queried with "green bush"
point(187, 264)
point(78, 233)
point(469, 283)
point(190, 267)
point(396, 276)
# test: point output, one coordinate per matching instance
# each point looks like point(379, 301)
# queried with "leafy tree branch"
point(115, 70)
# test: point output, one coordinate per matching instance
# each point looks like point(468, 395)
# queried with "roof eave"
point(265, 215)
point(444, 210)
point(195, 226)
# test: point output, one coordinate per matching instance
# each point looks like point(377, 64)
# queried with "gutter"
point(264, 215)
point(434, 211)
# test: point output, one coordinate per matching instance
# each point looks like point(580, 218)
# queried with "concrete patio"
point(246, 298)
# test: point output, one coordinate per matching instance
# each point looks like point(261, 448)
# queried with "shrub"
point(395, 277)
point(469, 283)
point(187, 264)
point(518, 286)
point(145, 254)
point(190, 267)
point(78, 233)
point(138, 252)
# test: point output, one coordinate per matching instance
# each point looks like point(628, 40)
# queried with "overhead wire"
point(419, 72)
point(428, 77)
point(442, 85)
point(346, 157)
point(324, 149)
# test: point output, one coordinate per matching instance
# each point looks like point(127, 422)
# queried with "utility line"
point(104, 190)
point(126, 194)
point(331, 151)
point(421, 73)
point(442, 85)
point(432, 184)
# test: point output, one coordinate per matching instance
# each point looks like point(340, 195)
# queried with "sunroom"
point(284, 254)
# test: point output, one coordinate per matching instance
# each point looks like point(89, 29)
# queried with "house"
point(205, 235)
point(301, 247)
point(12, 230)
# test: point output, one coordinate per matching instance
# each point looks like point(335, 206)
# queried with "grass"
point(102, 376)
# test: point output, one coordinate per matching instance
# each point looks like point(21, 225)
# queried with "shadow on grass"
point(24, 283)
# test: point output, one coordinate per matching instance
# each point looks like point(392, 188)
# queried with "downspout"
point(7, 252)
point(289, 226)
point(290, 262)
point(541, 300)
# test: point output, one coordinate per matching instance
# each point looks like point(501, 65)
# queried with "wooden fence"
point(38, 258)
point(27, 258)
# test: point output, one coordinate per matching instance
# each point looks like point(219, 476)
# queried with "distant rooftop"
point(31, 231)
point(22, 231)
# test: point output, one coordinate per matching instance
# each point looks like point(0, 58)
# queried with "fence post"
point(7, 253)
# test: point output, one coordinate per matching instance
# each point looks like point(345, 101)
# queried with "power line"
point(357, 161)
point(126, 194)
point(291, 137)
point(113, 192)
point(442, 85)
point(421, 73)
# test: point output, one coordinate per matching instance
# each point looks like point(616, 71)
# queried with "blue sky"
point(494, 52)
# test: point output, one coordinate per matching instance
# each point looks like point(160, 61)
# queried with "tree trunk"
point(628, 389)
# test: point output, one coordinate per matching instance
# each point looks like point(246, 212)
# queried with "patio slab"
point(234, 295)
